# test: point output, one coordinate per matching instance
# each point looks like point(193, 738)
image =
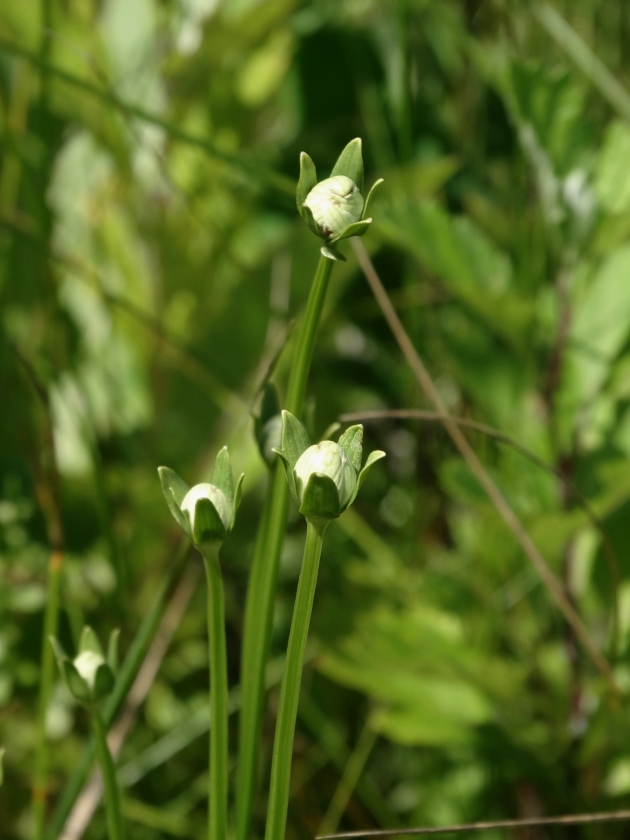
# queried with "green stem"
point(112, 793)
point(126, 675)
point(218, 778)
point(45, 689)
point(264, 573)
point(290, 691)
point(250, 716)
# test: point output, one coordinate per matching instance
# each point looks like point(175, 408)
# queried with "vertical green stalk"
point(112, 792)
point(290, 692)
point(47, 673)
point(264, 573)
point(218, 778)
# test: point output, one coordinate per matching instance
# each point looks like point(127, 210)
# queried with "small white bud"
point(335, 203)
point(87, 664)
point(326, 458)
point(216, 496)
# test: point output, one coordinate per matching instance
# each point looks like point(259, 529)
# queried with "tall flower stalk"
point(333, 209)
point(324, 480)
point(90, 679)
point(206, 514)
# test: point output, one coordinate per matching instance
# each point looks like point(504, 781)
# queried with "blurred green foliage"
point(151, 259)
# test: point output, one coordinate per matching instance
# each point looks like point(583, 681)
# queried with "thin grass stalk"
point(113, 809)
point(47, 672)
point(264, 574)
point(218, 776)
point(290, 691)
point(484, 478)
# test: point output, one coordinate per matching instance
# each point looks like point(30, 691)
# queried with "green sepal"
point(373, 457)
point(89, 641)
point(369, 197)
point(238, 495)
point(103, 682)
point(112, 650)
point(351, 441)
point(308, 179)
point(208, 524)
point(355, 229)
point(268, 424)
point(174, 490)
point(350, 163)
point(294, 439)
point(77, 686)
point(332, 253)
point(321, 498)
point(307, 215)
point(222, 474)
point(289, 473)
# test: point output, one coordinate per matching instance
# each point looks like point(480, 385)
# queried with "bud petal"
point(326, 458)
point(202, 531)
point(335, 204)
point(87, 664)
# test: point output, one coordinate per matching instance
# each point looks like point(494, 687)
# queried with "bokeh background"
point(151, 262)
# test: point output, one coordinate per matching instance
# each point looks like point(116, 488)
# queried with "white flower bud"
point(326, 458)
point(216, 496)
point(87, 664)
point(335, 203)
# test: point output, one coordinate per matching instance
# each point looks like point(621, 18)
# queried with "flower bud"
point(335, 203)
point(215, 496)
point(90, 675)
point(325, 478)
point(87, 664)
point(326, 458)
point(205, 512)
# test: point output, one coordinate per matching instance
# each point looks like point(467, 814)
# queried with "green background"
point(151, 263)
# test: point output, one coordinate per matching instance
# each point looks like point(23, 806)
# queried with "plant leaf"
point(350, 163)
point(321, 498)
point(222, 473)
point(370, 194)
point(373, 457)
point(308, 179)
point(355, 229)
point(332, 253)
point(89, 641)
point(174, 490)
point(351, 441)
point(295, 441)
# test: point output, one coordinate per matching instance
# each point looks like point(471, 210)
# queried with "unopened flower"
point(325, 477)
point(205, 512)
point(334, 208)
point(90, 675)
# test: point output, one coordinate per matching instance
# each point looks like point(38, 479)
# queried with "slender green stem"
point(264, 572)
point(290, 691)
point(218, 778)
point(250, 717)
point(45, 688)
point(112, 792)
point(126, 676)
